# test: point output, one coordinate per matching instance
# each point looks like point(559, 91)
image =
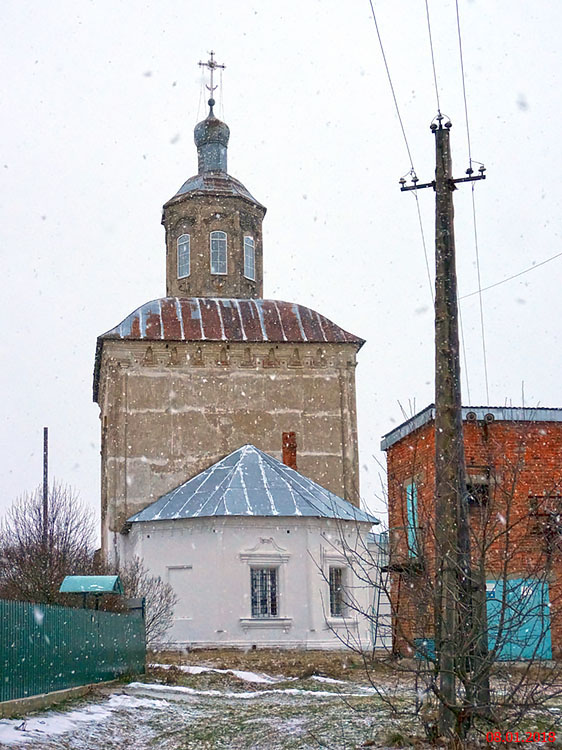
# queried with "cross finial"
point(212, 64)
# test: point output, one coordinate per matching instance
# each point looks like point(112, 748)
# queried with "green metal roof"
point(91, 585)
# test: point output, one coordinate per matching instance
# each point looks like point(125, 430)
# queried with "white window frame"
point(249, 253)
point(218, 244)
point(184, 241)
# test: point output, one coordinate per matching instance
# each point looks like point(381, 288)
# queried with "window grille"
point(184, 256)
point(218, 253)
point(249, 258)
point(336, 592)
point(264, 592)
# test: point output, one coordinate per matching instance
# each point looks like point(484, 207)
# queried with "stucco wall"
point(170, 410)
point(208, 562)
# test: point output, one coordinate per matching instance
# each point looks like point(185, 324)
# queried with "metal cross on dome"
point(212, 64)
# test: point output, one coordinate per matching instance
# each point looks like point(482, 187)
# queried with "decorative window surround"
point(266, 553)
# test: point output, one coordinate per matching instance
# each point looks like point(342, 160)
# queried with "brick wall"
point(522, 462)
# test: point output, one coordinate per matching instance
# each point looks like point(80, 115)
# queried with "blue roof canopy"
point(91, 585)
point(249, 482)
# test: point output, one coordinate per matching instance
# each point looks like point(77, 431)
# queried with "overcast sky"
point(99, 101)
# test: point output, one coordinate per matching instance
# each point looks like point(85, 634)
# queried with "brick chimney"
point(290, 449)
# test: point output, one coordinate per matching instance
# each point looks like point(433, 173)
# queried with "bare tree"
point(33, 563)
point(503, 668)
point(159, 596)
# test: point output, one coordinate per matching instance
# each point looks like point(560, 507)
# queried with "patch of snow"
point(259, 678)
point(158, 687)
point(331, 680)
point(20, 731)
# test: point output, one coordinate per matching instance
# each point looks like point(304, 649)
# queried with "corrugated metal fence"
point(45, 647)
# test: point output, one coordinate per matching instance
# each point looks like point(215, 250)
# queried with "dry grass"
point(342, 665)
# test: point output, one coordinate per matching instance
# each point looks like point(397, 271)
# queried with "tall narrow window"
point(218, 252)
point(412, 512)
point(249, 258)
point(184, 256)
point(336, 592)
point(264, 592)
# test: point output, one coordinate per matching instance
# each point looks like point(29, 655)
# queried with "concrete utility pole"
point(454, 582)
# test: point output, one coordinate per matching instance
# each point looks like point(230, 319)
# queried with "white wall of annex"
point(208, 561)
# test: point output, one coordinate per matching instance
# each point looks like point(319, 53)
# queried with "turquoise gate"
point(45, 647)
point(525, 631)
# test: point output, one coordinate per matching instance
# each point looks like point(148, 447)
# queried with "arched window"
point(249, 258)
point(218, 252)
point(184, 256)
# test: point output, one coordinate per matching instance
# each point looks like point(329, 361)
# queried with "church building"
point(215, 373)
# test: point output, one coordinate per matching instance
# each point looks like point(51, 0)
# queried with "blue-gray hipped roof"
point(249, 482)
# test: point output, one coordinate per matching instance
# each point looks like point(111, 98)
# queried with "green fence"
point(45, 647)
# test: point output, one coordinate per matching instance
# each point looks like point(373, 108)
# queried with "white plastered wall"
point(208, 562)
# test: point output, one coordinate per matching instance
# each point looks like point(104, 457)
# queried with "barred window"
point(336, 592)
point(249, 258)
point(264, 592)
point(218, 253)
point(184, 259)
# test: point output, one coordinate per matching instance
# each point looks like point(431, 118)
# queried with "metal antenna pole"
point(45, 485)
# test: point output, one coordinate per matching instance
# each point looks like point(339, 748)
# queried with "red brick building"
point(514, 486)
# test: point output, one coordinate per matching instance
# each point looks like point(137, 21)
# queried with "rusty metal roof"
point(222, 319)
point(231, 320)
point(215, 183)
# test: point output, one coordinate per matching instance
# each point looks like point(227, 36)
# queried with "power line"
point(424, 247)
point(463, 83)
point(432, 56)
point(464, 358)
point(480, 297)
point(412, 170)
point(464, 355)
point(510, 278)
point(391, 86)
point(476, 250)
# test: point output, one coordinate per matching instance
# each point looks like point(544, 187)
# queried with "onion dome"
point(211, 138)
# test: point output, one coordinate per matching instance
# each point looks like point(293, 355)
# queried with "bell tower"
point(213, 224)
point(186, 379)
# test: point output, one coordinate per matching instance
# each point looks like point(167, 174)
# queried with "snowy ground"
point(183, 707)
point(211, 708)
